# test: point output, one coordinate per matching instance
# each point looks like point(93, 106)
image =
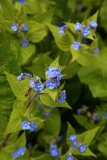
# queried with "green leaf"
point(53, 93)
point(26, 53)
point(86, 153)
point(18, 87)
point(43, 157)
point(38, 35)
point(21, 140)
point(55, 63)
point(71, 70)
point(83, 122)
point(44, 17)
point(14, 124)
point(88, 136)
point(48, 101)
point(8, 10)
point(32, 7)
point(39, 64)
point(51, 126)
point(70, 130)
point(94, 17)
point(62, 41)
point(95, 79)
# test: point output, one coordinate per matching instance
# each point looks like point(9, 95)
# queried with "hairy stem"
point(4, 140)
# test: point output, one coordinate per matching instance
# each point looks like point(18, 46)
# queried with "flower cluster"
point(62, 96)
point(62, 29)
point(21, 27)
point(36, 84)
point(54, 152)
point(54, 76)
point(81, 147)
point(29, 126)
point(24, 76)
point(84, 30)
point(19, 152)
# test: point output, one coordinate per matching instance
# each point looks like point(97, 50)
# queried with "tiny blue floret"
point(72, 137)
point(25, 125)
point(69, 158)
point(24, 43)
point(21, 1)
point(74, 143)
point(21, 151)
point(93, 24)
point(82, 148)
point(76, 45)
point(62, 29)
point(33, 127)
point(51, 84)
point(85, 30)
point(62, 97)
point(32, 83)
point(38, 87)
point(54, 152)
point(77, 26)
point(14, 27)
point(54, 72)
point(15, 154)
point(47, 114)
point(53, 146)
point(25, 27)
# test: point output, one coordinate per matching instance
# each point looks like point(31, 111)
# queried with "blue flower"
point(15, 154)
point(24, 43)
point(76, 45)
point(69, 158)
point(85, 30)
point(25, 125)
point(77, 26)
point(25, 27)
point(95, 50)
point(82, 148)
point(53, 146)
point(21, 151)
point(32, 83)
point(47, 114)
point(96, 117)
point(14, 27)
point(24, 76)
point(54, 73)
point(33, 127)
point(62, 29)
point(74, 143)
point(54, 152)
point(38, 87)
point(72, 137)
point(21, 1)
point(93, 24)
point(62, 96)
point(59, 138)
point(52, 84)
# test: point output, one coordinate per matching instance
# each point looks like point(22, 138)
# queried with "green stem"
point(4, 140)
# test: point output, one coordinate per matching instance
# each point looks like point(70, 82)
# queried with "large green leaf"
point(47, 100)
point(43, 157)
point(39, 64)
point(7, 61)
point(14, 124)
point(44, 17)
point(8, 10)
point(51, 126)
point(95, 79)
point(18, 87)
point(61, 40)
